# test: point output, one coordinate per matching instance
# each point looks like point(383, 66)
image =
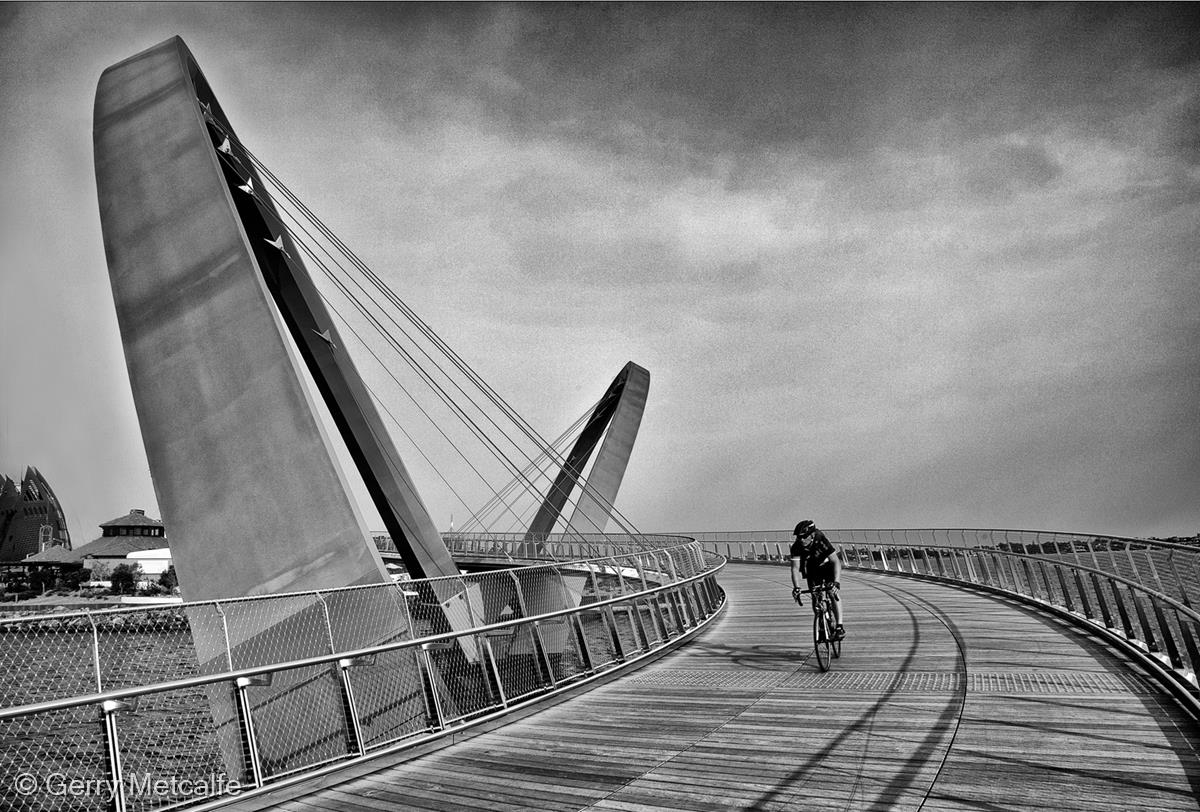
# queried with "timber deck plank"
point(944, 699)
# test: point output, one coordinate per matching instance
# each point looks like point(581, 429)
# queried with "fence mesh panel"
point(165, 736)
point(55, 762)
point(179, 745)
point(390, 697)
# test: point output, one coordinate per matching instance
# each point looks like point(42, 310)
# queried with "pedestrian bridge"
point(1010, 672)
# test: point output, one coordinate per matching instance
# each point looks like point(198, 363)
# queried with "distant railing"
point(556, 546)
point(192, 705)
point(1142, 593)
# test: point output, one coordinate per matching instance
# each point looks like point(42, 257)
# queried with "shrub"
point(42, 578)
point(168, 580)
point(125, 578)
point(72, 579)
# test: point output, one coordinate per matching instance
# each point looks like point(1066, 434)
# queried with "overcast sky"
point(888, 266)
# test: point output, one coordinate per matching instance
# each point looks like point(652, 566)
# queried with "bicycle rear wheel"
point(822, 644)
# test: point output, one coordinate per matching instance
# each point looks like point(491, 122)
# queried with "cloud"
point(899, 264)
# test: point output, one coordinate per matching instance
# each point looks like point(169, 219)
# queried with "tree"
point(168, 580)
point(125, 578)
point(73, 579)
point(42, 578)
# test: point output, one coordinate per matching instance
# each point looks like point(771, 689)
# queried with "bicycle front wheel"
point(822, 644)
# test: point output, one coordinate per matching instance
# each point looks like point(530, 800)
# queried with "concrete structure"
point(217, 314)
point(206, 307)
point(620, 413)
point(31, 519)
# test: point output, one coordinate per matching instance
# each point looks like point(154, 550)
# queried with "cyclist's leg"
point(827, 574)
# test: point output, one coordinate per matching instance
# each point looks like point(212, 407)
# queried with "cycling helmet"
point(805, 528)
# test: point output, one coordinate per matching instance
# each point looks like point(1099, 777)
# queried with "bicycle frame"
point(825, 646)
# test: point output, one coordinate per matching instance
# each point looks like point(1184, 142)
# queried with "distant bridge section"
point(1140, 594)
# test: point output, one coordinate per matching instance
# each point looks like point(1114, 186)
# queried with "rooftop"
point(135, 518)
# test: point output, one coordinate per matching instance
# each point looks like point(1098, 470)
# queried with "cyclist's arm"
point(835, 556)
point(837, 566)
point(797, 575)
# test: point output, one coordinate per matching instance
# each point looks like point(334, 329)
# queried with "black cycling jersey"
point(812, 552)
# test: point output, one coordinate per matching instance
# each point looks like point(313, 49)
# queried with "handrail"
point(274, 596)
point(469, 648)
point(120, 694)
point(1112, 576)
point(1161, 628)
point(748, 536)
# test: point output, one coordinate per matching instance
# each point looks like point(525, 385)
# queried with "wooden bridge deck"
point(944, 699)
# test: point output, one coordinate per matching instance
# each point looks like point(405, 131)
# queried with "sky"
point(910, 265)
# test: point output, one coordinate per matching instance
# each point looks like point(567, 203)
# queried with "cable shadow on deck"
point(865, 723)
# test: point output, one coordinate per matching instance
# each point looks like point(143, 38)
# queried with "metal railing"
point(555, 546)
point(1141, 593)
point(189, 706)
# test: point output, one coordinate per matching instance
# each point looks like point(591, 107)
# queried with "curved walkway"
point(944, 698)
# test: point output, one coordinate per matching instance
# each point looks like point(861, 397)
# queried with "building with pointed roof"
point(31, 519)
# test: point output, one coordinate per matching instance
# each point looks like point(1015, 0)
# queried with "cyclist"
point(816, 559)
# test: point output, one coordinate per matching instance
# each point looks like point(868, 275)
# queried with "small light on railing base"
point(351, 662)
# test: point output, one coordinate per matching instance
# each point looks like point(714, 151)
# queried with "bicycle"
point(824, 622)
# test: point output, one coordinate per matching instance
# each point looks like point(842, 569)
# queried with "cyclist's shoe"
point(839, 633)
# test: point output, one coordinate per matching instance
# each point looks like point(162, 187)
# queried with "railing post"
point(225, 633)
point(427, 672)
point(357, 744)
point(1083, 596)
point(693, 611)
point(694, 588)
point(954, 568)
point(108, 709)
point(681, 607)
point(1075, 550)
point(968, 563)
point(980, 559)
point(328, 621)
point(1148, 633)
point(495, 669)
point(96, 652)
point(1030, 580)
point(614, 634)
point(1041, 566)
point(246, 717)
point(1062, 582)
point(1104, 612)
point(1129, 630)
point(1187, 630)
point(1137, 575)
point(585, 650)
point(999, 559)
point(1154, 571)
point(1183, 592)
point(636, 609)
point(1164, 631)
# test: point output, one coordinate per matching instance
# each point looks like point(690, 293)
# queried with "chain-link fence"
point(160, 708)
